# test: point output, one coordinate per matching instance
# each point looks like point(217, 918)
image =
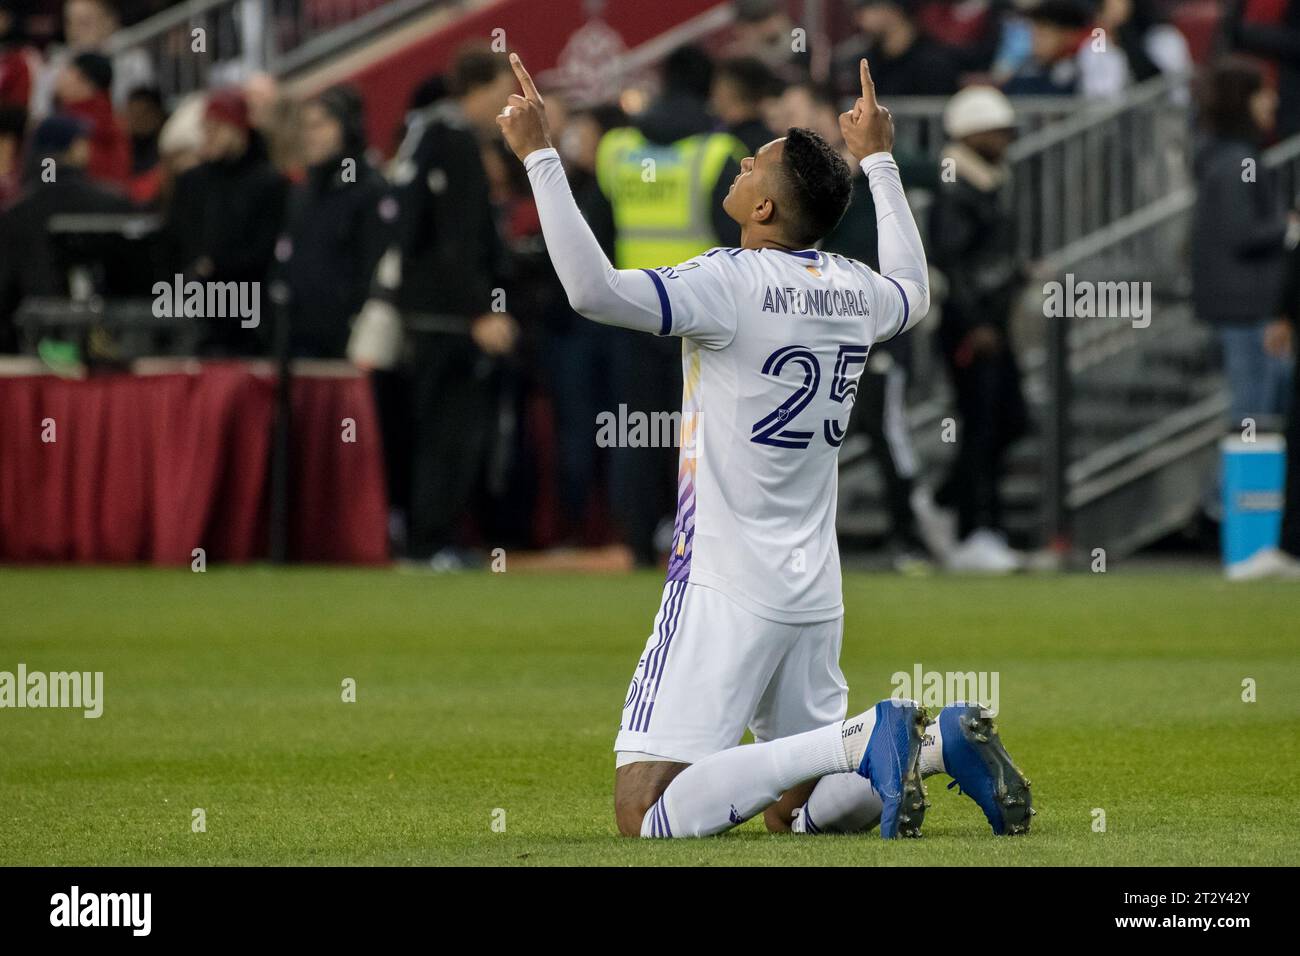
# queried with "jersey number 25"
point(774, 427)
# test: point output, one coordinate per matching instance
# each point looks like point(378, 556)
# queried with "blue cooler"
point(1253, 484)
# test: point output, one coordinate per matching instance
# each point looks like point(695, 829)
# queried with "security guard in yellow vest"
point(664, 180)
point(665, 177)
point(661, 194)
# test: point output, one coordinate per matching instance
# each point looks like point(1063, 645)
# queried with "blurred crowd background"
point(413, 250)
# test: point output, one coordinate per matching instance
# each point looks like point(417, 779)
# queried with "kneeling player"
point(775, 335)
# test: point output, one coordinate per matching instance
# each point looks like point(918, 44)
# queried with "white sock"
point(728, 788)
point(856, 733)
point(931, 761)
point(840, 803)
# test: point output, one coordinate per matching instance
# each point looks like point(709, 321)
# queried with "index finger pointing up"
point(525, 81)
point(868, 84)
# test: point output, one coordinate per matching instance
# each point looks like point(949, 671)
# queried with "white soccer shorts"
point(711, 668)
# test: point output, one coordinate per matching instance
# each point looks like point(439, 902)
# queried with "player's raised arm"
point(595, 288)
point(868, 129)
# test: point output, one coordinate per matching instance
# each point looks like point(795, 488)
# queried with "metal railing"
point(1110, 159)
point(1078, 164)
point(1131, 414)
point(918, 120)
point(203, 43)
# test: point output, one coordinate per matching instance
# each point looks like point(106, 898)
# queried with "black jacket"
point(1238, 228)
point(450, 249)
point(230, 212)
point(30, 263)
point(973, 243)
point(336, 230)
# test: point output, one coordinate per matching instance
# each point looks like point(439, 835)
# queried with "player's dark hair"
point(818, 185)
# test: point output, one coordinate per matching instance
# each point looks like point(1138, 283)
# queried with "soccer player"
point(775, 335)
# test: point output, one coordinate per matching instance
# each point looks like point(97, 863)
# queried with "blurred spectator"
point(30, 264)
point(180, 145)
point(904, 61)
point(969, 29)
point(13, 126)
point(1279, 42)
point(664, 218)
point(340, 219)
point(225, 216)
point(275, 115)
point(1151, 44)
point(145, 117)
point(517, 503)
point(675, 128)
point(763, 30)
point(19, 61)
point(972, 242)
point(83, 91)
point(741, 89)
point(377, 338)
point(443, 282)
point(431, 90)
point(87, 27)
point(1238, 228)
point(1281, 339)
point(1065, 58)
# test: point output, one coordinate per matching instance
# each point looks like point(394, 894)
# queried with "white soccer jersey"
point(774, 343)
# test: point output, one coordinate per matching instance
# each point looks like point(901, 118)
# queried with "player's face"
point(750, 198)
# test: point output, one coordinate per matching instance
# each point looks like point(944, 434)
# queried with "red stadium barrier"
point(149, 467)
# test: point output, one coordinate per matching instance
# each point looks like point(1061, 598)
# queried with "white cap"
point(977, 109)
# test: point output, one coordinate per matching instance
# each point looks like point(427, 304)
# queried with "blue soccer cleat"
point(891, 763)
point(981, 768)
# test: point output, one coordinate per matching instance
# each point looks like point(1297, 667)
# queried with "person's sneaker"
point(936, 526)
point(910, 562)
point(981, 768)
point(984, 552)
point(892, 763)
point(1266, 563)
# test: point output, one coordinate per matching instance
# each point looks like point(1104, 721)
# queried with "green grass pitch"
point(501, 692)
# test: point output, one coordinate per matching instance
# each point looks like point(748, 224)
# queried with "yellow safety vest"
point(661, 194)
